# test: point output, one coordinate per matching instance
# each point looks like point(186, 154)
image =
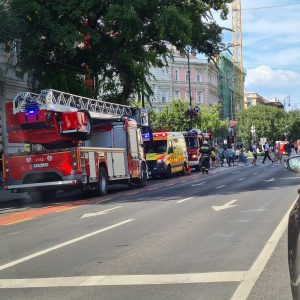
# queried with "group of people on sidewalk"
point(216, 156)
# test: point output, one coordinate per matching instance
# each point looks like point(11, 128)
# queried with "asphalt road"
point(221, 236)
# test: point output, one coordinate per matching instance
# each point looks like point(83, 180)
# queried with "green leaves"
point(127, 37)
point(270, 122)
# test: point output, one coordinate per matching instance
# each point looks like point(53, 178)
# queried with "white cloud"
point(265, 76)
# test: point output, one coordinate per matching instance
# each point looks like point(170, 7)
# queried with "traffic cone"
point(189, 168)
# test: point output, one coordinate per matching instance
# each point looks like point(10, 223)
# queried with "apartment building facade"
point(10, 85)
point(172, 82)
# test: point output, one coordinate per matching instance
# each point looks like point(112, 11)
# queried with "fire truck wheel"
point(185, 170)
point(103, 182)
point(143, 180)
point(198, 167)
point(42, 196)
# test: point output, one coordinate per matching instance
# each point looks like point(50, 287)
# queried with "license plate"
point(41, 165)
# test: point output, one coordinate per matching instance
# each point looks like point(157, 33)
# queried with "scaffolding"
point(230, 93)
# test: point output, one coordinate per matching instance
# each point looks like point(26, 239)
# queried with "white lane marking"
point(254, 173)
point(197, 184)
point(236, 172)
point(170, 184)
point(103, 212)
point(225, 206)
point(152, 189)
point(183, 200)
point(266, 169)
point(155, 279)
point(269, 180)
point(245, 287)
point(221, 186)
point(241, 179)
point(39, 253)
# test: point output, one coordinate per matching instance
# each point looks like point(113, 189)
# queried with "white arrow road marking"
point(103, 212)
point(197, 184)
point(67, 243)
point(183, 200)
point(241, 179)
point(221, 186)
point(225, 206)
point(269, 180)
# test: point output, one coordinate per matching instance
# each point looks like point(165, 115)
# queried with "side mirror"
point(293, 164)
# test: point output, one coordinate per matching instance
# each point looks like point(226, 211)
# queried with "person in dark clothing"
point(267, 152)
point(205, 151)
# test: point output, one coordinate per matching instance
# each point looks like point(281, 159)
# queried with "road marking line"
point(67, 208)
point(110, 280)
point(245, 287)
point(270, 180)
point(265, 169)
point(152, 189)
point(221, 186)
point(241, 179)
point(197, 184)
point(183, 200)
point(83, 237)
point(133, 193)
point(19, 221)
point(225, 206)
point(103, 212)
point(184, 180)
point(170, 184)
point(254, 173)
point(236, 172)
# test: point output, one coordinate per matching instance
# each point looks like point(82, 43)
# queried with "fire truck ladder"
point(64, 102)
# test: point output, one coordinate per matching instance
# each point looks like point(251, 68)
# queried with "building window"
point(198, 77)
point(187, 75)
point(176, 75)
point(176, 95)
point(199, 97)
point(187, 95)
point(164, 96)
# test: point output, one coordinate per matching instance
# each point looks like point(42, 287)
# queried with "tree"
point(116, 41)
point(210, 120)
point(268, 121)
point(291, 125)
point(173, 117)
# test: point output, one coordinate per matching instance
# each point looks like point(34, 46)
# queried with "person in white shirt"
point(267, 152)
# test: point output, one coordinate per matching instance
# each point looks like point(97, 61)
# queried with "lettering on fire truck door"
point(92, 163)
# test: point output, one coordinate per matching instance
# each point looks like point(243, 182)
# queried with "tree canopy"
point(175, 117)
point(270, 122)
point(117, 40)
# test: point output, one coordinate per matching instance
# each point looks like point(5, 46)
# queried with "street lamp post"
point(190, 94)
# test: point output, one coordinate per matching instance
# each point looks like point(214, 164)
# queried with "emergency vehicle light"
point(159, 134)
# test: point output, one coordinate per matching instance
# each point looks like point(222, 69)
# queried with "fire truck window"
point(159, 147)
point(191, 142)
point(133, 142)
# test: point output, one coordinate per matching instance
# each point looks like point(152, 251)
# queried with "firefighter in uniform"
point(205, 151)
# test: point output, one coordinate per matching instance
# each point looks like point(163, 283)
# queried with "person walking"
point(222, 155)
point(230, 156)
point(205, 151)
point(267, 152)
point(254, 153)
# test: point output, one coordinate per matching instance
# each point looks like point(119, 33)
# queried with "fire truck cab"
point(194, 139)
point(75, 142)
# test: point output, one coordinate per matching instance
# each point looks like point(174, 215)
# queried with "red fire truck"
point(194, 139)
point(74, 142)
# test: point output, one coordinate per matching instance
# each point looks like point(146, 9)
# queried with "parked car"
point(293, 164)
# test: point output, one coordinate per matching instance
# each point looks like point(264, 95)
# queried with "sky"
point(271, 48)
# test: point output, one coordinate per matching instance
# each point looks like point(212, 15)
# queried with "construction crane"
point(237, 71)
